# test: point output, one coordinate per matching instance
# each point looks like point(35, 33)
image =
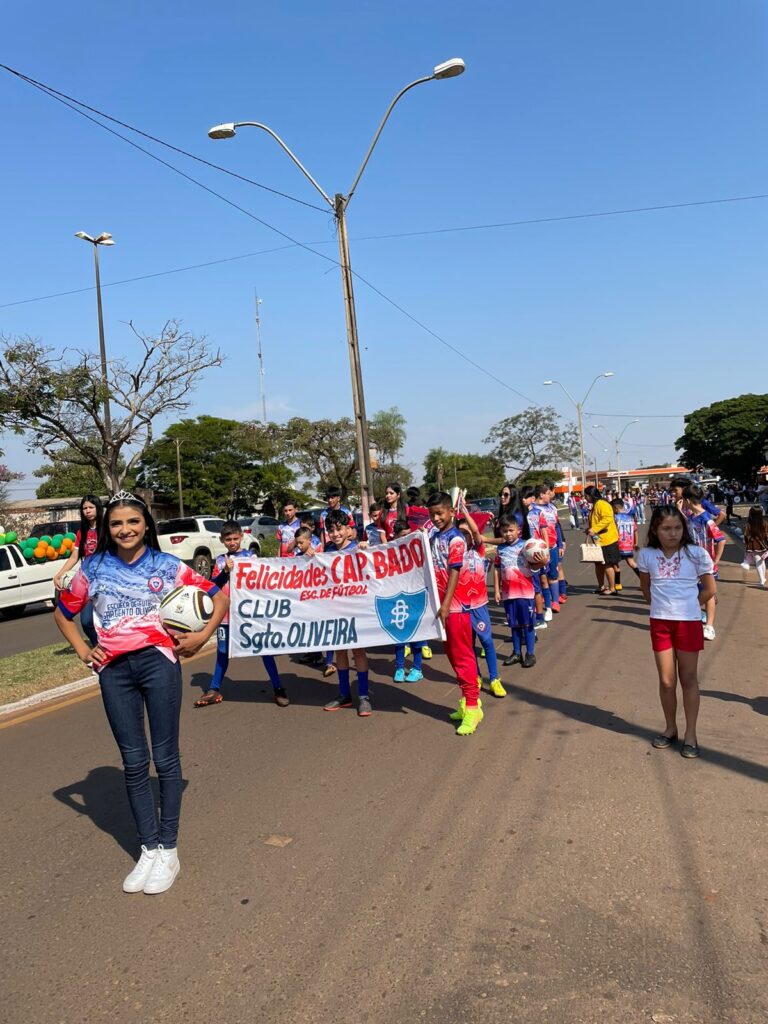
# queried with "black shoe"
point(662, 742)
point(689, 750)
point(529, 660)
point(340, 701)
point(513, 659)
point(281, 697)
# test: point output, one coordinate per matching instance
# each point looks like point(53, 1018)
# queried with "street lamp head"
point(222, 131)
point(84, 236)
point(608, 373)
point(449, 68)
point(548, 382)
point(104, 239)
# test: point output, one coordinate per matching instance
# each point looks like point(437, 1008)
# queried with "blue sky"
point(564, 109)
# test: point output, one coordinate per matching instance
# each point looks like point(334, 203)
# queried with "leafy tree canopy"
point(729, 437)
point(64, 478)
point(481, 475)
point(533, 439)
point(223, 471)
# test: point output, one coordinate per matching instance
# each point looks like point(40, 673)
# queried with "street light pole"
point(340, 202)
point(103, 239)
point(580, 417)
point(618, 462)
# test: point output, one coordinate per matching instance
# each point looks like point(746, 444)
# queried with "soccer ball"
point(186, 609)
point(533, 548)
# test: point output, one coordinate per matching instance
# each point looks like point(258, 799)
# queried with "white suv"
point(196, 540)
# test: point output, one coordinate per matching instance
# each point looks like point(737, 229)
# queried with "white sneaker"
point(540, 625)
point(135, 881)
point(164, 871)
point(709, 633)
point(547, 614)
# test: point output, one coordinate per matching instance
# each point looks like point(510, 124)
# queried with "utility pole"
point(178, 441)
point(262, 386)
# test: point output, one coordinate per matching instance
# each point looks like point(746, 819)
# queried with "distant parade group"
point(124, 581)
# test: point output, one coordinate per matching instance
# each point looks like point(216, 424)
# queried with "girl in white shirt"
point(676, 578)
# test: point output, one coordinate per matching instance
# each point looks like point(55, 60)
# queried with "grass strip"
point(21, 675)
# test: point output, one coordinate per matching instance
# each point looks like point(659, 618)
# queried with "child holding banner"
point(341, 532)
point(401, 528)
point(454, 587)
point(232, 539)
point(477, 567)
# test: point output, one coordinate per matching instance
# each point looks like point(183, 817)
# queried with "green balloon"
point(70, 536)
point(10, 538)
point(45, 540)
point(57, 540)
point(2, 538)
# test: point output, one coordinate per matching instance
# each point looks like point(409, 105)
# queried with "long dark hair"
point(401, 507)
point(511, 508)
point(150, 535)
point(85, 526)
point(660, 513)
point(756, 527)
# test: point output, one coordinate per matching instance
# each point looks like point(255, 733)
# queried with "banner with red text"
point(366, 597)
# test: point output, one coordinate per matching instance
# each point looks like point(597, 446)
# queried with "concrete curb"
point(67, 689)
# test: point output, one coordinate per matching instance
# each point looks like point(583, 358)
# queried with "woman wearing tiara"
point(137, 663)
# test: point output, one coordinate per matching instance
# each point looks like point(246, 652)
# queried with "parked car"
point(487, 505)
point(196, 540)
point(49, 529)
point(21, 583)
point(263, 526)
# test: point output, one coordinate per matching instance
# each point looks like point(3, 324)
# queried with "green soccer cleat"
point(472, 718)
point(497, 689)
point(426, 652)
point(458, 714)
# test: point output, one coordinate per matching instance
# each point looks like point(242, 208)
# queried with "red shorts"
point(682, 636)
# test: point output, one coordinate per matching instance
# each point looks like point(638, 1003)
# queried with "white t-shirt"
point(674, 591)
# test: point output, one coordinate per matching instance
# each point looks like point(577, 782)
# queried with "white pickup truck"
point(21, 583)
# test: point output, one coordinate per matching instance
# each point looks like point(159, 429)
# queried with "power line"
point(62, 96)
point(639, 415)
point(146, 277)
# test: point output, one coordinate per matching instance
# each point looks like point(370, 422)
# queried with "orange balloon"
point(52, 554)
point(50, 550)
point(40, 551)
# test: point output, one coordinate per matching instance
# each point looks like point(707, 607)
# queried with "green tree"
point(386, 432)
point(7, 476)
point(325, 450)
point(222, 470)
point(481, 475)
point(730, 437)
point(533, 439)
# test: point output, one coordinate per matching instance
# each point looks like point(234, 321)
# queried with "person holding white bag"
point(602, 529)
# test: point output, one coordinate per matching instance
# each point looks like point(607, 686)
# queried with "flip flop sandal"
point(328, 671)
point(212, 697)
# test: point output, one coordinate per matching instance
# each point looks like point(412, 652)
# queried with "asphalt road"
point(551, 869)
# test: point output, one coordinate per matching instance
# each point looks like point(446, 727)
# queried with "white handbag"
point(592, 552)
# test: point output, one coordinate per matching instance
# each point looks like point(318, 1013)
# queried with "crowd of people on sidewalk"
point(123, 577)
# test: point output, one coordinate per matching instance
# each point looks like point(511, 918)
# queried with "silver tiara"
point(125, 496)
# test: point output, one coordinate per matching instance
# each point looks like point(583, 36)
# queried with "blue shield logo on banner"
point(401, 614)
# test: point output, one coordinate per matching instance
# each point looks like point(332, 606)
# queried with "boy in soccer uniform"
point(286, 531)
point(232, 539)
point(453, 588)
point(371, 530)
point(401, 528)
point(340, 528)
point(543, 526)
point(626, 524)
point(513, 583)
point(476, 565)
point(308, 523)
point(708, 535)
point(333, 497)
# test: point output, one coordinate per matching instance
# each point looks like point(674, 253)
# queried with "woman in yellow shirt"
point(602, 528)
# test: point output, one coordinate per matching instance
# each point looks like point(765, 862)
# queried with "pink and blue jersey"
point(705, 533)
point(286, 532)
point(626, 524)
point(514, 572)
point(126, 599)
point(219, 567)
point(544, 523)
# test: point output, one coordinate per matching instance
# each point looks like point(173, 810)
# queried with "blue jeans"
point(86, 624)
point(146, 678)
